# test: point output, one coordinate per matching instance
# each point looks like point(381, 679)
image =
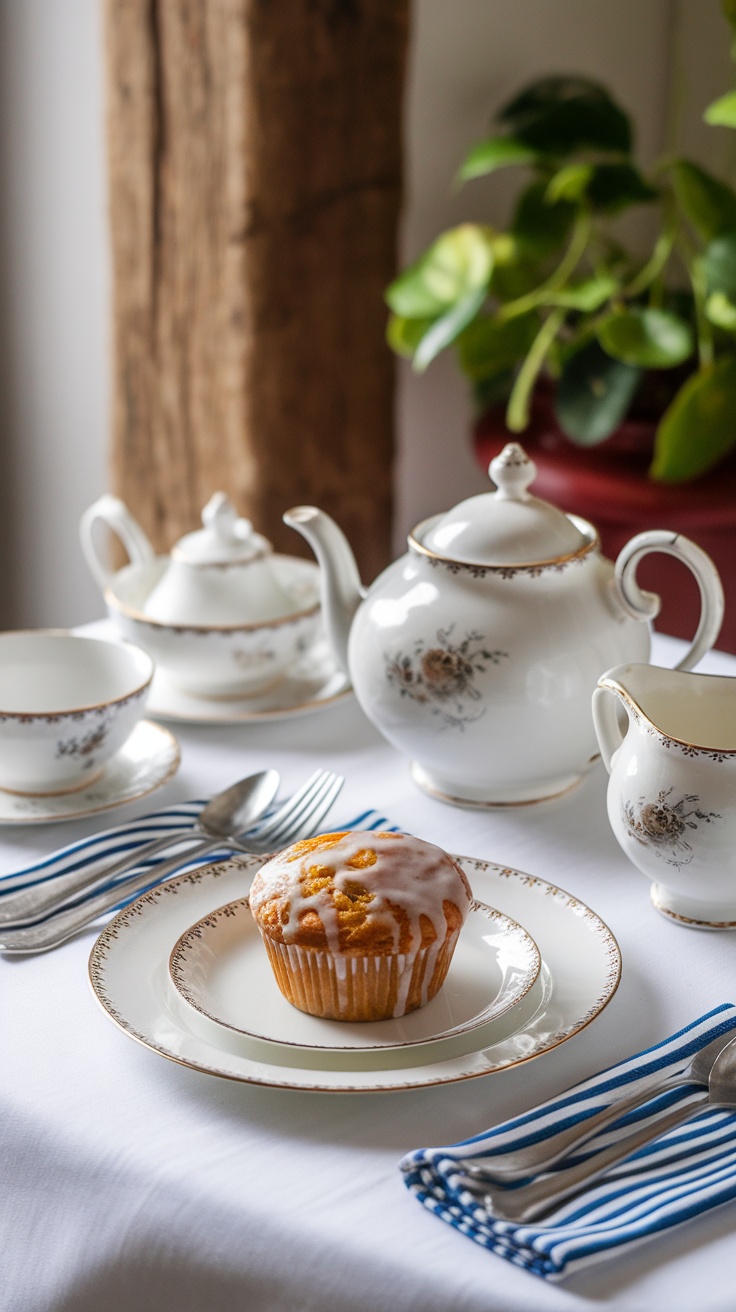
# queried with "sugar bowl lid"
point(505, 527)
point(224, 539)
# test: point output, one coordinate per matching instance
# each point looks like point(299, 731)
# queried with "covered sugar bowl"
point(222, 615)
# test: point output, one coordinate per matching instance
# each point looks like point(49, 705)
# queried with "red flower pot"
point(609, 485)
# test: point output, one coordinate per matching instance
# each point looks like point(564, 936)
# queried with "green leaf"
point(458, 262)
point(651, 339)
point(488, 347)
point(511, 281)
point(594, 394)
point(588, 295)
point(540, 227)
point(722, 113)
point(445, 329)
point(518, 409)
point(495, 153)
point(698, 429)
point(561, 115)
point(570, 183)
point(718, 262)
point(404, 335)
point(709, 204)
point(721, 311)
point(614, 186)
point(608, 187)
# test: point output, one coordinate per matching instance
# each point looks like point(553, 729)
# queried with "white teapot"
point(222, 615)
point(477, 653)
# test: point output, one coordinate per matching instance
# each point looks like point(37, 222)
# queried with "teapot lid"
point(224, 540)
point(508, 526)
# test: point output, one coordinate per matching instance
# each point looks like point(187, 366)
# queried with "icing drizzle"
point(396, 871)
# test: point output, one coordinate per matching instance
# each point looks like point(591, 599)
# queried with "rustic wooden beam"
point(255, 165)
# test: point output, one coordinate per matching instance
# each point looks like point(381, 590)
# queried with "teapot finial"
point(512, 471)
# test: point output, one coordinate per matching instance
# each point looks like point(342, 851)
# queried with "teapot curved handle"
point(641, 605)
point(113, 512)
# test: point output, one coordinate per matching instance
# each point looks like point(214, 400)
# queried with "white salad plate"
point(129, 974)
point(220, 969)
point(147, 760)
point(313, 684)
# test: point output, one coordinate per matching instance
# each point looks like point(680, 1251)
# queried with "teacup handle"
point(112, 512)
point(641, 605)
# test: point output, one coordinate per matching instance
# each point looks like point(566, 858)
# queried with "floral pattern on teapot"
point(443, 676)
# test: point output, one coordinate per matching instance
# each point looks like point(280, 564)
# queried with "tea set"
point(475, 655)
point(222, 615)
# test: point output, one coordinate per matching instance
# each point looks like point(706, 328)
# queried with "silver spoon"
point(300, 817)
point(227, 815)
point(520, 1163)
point(535, 1200)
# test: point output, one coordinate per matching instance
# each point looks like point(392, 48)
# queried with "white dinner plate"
point(129, 975)
point(221, 971)
point(313, 684)
point(147, 760)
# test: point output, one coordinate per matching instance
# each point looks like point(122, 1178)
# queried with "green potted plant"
point(554, 321)
point(558, 294)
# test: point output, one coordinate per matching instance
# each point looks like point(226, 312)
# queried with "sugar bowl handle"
point(641, 605)
point(112, 512)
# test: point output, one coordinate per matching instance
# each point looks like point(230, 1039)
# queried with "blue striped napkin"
point(121, 839)
point(678, 1176)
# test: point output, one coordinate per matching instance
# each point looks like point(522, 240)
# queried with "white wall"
point(468, 56)
point(54, 374)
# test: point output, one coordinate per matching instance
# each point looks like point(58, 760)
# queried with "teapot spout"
point(342, 590)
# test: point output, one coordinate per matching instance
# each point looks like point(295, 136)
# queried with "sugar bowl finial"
point(512, 471)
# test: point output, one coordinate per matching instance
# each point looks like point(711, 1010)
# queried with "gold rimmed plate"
point(220, 970)
point(314, 684)
point(129, 974)
point(144, 763)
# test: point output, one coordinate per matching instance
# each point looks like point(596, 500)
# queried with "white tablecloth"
point(131, 1184)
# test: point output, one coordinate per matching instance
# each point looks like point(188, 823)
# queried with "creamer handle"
point(642, 605)
point(607, 724)
point(114, 513)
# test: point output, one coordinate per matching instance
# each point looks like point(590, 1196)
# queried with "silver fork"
point(299, 817)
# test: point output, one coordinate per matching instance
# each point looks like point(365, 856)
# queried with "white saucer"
point(220, 969)
point(129, 974)
point(314, 683)
point(148, 759)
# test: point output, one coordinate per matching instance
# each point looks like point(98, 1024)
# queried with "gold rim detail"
point(129, 916)
point(202, 630)
point(30, 818)
point(94, 708)
point(178, 962)
point(532, 568)
point(688, 920)
point(716, 754)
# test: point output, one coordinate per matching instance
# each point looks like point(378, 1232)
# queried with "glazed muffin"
point(360, 926)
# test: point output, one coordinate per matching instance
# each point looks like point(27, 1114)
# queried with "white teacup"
point(67, 705)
